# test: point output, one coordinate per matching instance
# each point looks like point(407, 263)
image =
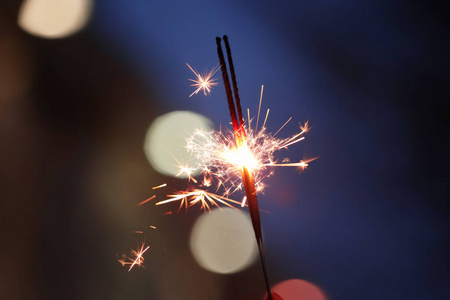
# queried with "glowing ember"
point(203, 82)
point(136, 258)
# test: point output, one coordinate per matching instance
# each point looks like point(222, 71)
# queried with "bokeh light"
point(297, 289)
point(223, 241)
point(54, 18)
point(166, 139)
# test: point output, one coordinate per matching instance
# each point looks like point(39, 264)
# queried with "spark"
point(145, 201)
point(188, 171)
point(206, 179)
point(159, 186)
point(243, 201)
point(305, 127)
point(184, 169)
point(203, 82)
point(259, 107)
point(136, 258)
point(193, 196)
point(301, 164)
point(151, 226)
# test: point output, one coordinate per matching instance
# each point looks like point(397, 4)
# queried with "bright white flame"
point(223, 161)
point(54, 18)
point(223, 241)
point(240, 157)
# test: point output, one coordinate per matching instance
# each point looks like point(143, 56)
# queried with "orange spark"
point(301, 164)
point(145, 201)
point(194, 196)
point(305, 127)
point(159, 186)
point(136, 258)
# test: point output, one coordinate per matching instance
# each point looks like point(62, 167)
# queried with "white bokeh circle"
point(165, 141)
point(54, 18)
point(223, 241)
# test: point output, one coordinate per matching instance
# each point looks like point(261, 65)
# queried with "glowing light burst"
point(203, 82)
point(221, 162)
point(220, 158)
point(136, 258)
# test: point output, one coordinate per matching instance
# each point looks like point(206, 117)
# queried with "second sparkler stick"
point(239, 132)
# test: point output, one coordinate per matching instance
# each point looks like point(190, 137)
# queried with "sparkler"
point(230, 161)
point(247, 174)
point(241, 157)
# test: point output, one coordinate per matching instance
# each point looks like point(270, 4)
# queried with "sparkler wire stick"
point(226, 82)
point(233, 80)
point(247, 176)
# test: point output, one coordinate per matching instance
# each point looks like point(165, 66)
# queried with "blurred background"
point(83, 81)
